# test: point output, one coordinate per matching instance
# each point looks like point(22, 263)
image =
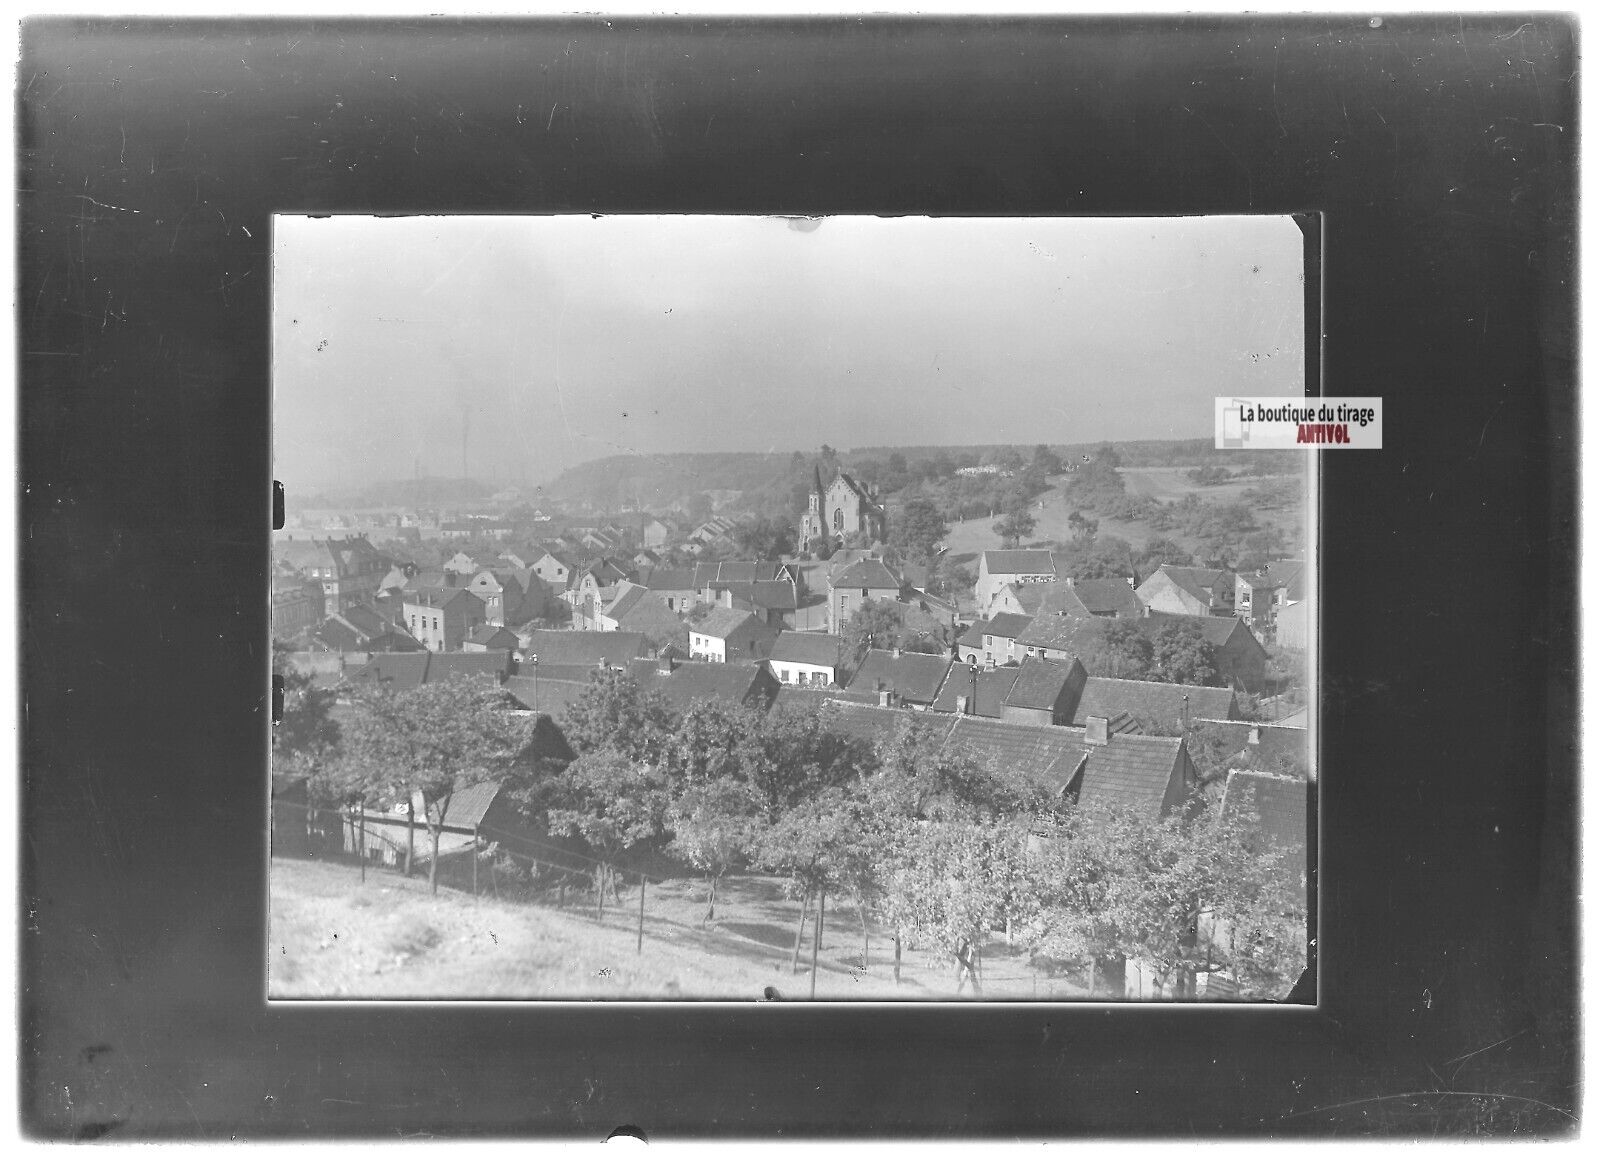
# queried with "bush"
point(412, 935)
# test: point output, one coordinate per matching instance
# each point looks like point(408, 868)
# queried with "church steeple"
point(816, 488)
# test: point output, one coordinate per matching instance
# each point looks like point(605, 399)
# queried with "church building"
point(840, 511)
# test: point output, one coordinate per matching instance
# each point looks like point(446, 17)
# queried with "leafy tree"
point(1124, 652)
point(613, 712)
point(306, 729)
point(874, 625)
point(1015, 526)
point(714, 827)
point(951, 881)
point(766, 538)
point(430, 742)
point(613, 799)
point(1046, 461)
point(1210, 475)
point(1083, 528)
point(1159, 551)
point(802, 755)
point(920, 526)
point(1009, 460)
point(1182, 655)
point(919, 779)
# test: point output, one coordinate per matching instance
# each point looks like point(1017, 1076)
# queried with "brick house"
point(1194, 592)
point(998, 567)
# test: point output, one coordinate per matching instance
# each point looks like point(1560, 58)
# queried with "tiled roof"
point(707, 573)
point(692, 681)
point(993, 686)
point(870, 573)
point(720, 623)
point(1111, 596)
point(1018, 561)
point(1154, 703)
point(1130, 770)
point(624, 604)
point(1008, 625)
point(1040, 683)
point(585, 647)
point(1216, 630)
point(484, 634)
point(1280, 802)
point(1198, 582)
point(1060, 599)
point(544, 695)
point(467, 805)
point(769, 594)
point(669, 579)
point(1280, 750)
point(912, 676)
point(807, 648)
point(1290, 574)
point(1074, 635)
point(974, 635)
point(813, 697)
point(409, 670)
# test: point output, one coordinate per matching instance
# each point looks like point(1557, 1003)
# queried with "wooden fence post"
point(361, 843)
point(474, 862)
point(640, 947)
point(816, 937)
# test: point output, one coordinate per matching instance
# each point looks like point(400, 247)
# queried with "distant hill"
point(661, 482)
point(424, 492)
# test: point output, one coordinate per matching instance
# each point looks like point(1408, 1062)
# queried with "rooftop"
point(1018, 561)
point(807, 648)
point(912, 676)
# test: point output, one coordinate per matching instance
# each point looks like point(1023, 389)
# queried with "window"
point(863, 594)
point(838, 519)
point(783, 676)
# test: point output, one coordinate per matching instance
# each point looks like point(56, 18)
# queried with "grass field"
point(333, 936)
point(1167, 484)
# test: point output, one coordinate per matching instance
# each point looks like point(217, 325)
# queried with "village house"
point(348, 570)
point(675, 586)
point(490, 637)
point(1195, 592)
point(842, 510)
point(998, 567)
point(683, 683)
point(773, 601)
point(1097, 769)
point(854, 585)
point(900, 677)
point(441, 619)
point(642, 610)
point(1037, 692)
point(994, 641)
point(1292, 625)
point(1241, 658)
point(807, 659)
point(1108, 597)
point(461, 564)
point(553, 650)
point(554, 568)
point(297, 603)
point(731, 635)
point(1153, 707)
point(1258, 596)
point(360, 629)
point(654, 534)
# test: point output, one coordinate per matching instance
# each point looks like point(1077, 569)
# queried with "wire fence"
point(520, 867)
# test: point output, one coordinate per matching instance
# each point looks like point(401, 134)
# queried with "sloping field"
point(333, 936)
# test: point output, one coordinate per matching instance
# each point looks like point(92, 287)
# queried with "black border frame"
point(1442, 151)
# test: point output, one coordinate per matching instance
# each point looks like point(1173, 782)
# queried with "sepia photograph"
point(741, 608)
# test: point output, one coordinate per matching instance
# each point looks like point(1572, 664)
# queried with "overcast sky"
point(555, 340)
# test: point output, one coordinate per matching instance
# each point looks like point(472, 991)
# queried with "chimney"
point(961, 703)
point(1095, 731)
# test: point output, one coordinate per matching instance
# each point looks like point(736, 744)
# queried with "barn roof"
point(1040, 684)
point(1018, 561)
point(1279, 801)
point(807, 648)
point(1152, 702)
point(1112, 596)
point(585, 647)
point(912, 676)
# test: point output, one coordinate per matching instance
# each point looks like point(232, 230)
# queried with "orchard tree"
point(715, 825)
point(614, 800)
point(920, 527)
point(1158, 551)
point(1124, 652)
point(612, 711)
point(950, 882)
point(431, 742)
point(874, 625)
point(1180, 654)
point(1016, 525)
